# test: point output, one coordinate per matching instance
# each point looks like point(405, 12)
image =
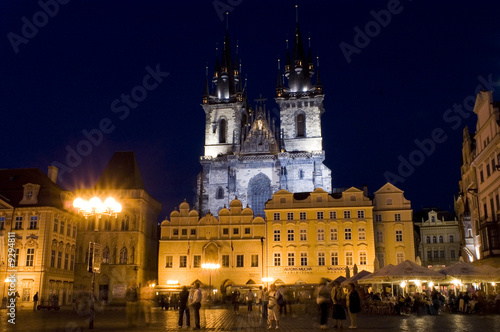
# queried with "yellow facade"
point(393, 220)
point(235, 240)
point(36, 212)
point(315, 235)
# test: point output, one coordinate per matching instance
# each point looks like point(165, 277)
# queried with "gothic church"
point(247, 156)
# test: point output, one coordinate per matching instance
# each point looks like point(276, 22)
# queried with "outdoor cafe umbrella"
point(354, 279)
point(467, 272)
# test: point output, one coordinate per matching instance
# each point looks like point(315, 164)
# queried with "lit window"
point(105, 256)
point(33, 222)
point(2, 223)
point(348, 258)
point(303, 259)
point(361, 233)
point(183, 261)
point(277, 259)
point(335, 258)
point(239, 260)
point(30, 257)
point(291, 259)
point(19, 223)
point(321, 259)
point(362, 258)
point(347, 234)
point(333, 234)
point(196, 261)
point(255, 261)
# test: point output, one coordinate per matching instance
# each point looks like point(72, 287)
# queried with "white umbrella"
point(467, 272)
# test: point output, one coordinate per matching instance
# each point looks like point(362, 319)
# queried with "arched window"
point(301, 125)
point(125, 223)
point(105, 256)
point(441, 239)
point(220, 193)
point(123, 255)
point(259, 191)
point(222, 131)
point(434, 239)
point(428, 239)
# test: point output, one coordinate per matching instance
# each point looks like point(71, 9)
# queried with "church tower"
point(246, 156)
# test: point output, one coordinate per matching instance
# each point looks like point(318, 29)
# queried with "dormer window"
point(30, 195)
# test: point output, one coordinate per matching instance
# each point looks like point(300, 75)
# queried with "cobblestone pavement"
point(226, 320)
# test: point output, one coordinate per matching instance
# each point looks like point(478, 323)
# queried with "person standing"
point(273, 312)
point(131, 310)
point(338, 299)
point(236, 301)
point(183, 307)
point(249, 300)
point(35, 301)
point(258, 299)
point(264, 300)
point(282, 301)
point(323, 300)
point(196, 304)
point(353, 304)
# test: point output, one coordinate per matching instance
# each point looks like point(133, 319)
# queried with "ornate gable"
point(260, 138)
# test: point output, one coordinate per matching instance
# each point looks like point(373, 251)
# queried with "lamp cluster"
point(95, 206)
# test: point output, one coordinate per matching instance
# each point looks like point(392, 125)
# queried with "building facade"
point(317, 234)
point(440, 237)
point(129, 241)
point(234, 240)
point(246, 154)
point(35, 215)
point(393, 219)
point(478, 202)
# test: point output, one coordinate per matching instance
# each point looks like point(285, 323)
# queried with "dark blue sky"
point(62, 78)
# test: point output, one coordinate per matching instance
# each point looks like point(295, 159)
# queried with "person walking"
point(338, 298)
point(282, 300)
point(273, 312)
point(131, 298)
point(265, 301)
point(35, 301)
point(196, 304)
point(249, 299)
point(236, 301)
point(258, 299)
point(323, 300)
point(353, 304)
point(183, 307)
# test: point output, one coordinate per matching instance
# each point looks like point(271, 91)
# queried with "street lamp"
point(211, 267)
point(267, 280)
point(95, 207)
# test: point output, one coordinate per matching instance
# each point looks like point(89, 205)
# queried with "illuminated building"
point(478, 202)
point(246, 154)
point(234, 240)
point(38, 213)
point(439, 237)
point(129, 242)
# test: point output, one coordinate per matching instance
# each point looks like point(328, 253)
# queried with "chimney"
point(365, 190)
point(52, 173)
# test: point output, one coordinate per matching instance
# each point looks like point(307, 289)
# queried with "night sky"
point(410, 80)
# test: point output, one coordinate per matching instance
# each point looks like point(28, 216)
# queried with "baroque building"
point(129, 241)
point(36, 216)
point(393, 219)
point(439, 237)
point(478, 202)
point(246, 154)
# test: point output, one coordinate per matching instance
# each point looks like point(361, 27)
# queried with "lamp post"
point(210, 267)
point(95, 207)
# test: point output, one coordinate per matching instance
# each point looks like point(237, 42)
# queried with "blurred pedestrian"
point(183, 307)
point(273, 313)
point(195, 302)
point(323, 300)
point(338, 298)
point(131, 297)
point(353, 304)
point(265, 302)
point(236, 301)
point(249, 299)
point(35, 301)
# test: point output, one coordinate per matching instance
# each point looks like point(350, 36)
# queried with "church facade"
point(247, 155)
